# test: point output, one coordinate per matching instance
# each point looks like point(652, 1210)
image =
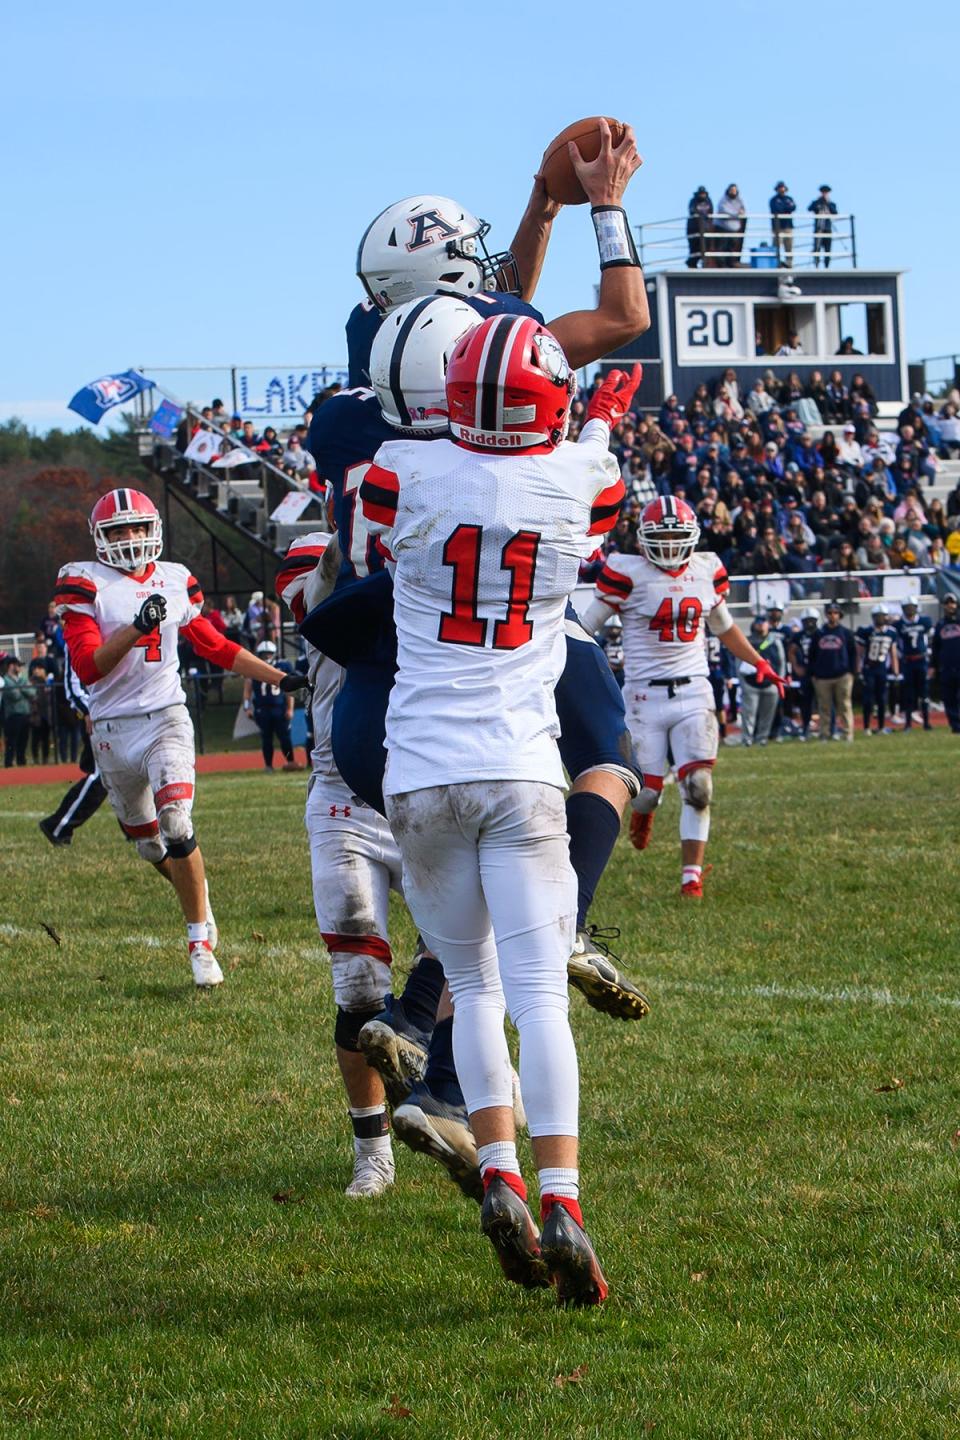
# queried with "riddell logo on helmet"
point(493, 440)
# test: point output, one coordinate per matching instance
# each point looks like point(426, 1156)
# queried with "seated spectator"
point(847, 347)
point(638, 481)
point(791, 390)
point(699, 402)
point(875, 482)
point(772, 460)
point(684, 464)
point(829, 449)
point(910, 504)
point(792, 346)
point(799, 561)
point(296, 461)
point(861, 389)
point(816, 391)
point(837, 405)
point(912, 414)
point(904, 473)
point(872, 555)
point(931, 423)
point(936, 520)
point(805, 455)
point(901, 556)
point(953, 502)
point(949, 431)
point(845, 559)
point(730, 380)
point(660, 467)
point(767, 558)
point(248, 436)
point(670, 412)
point(759, 401)
point(915, 538)
point(796, 527)
point(270, 447)
point(727, 407)
point(939, 556)
point(849, 454)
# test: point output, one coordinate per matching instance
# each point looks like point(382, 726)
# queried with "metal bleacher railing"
point(690, 241)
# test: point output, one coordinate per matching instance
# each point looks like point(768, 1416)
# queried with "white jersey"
point(148, 676)
point(664, 613)
point(487, 550)
point(324, 675)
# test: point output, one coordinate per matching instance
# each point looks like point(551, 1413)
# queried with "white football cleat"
point(203, 962)
point(372, 1174)
point(213, 934)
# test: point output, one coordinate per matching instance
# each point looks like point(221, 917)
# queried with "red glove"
point(765, 671)
point(612, 401)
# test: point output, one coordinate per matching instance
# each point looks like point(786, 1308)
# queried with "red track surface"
point(66, 774)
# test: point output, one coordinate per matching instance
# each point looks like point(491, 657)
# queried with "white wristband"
point(614, 240)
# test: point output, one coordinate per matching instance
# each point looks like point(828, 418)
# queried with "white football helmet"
point(429, 244)
point(408, 361)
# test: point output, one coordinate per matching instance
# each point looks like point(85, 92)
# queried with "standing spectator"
point(253, 619)
point(945, 653)
point(52, 633)
point(833, 664)
point(16, 699)
point(41, 656)
point(822, 208)
point(232, 617)
point(699, 212)
point(782, 207)
point(42, 704)
point(758, 697)
point(731, 220)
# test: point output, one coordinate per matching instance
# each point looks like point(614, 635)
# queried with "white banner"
point(233, 458)
point(291, 507)
point(204, 445)
point(244, 726)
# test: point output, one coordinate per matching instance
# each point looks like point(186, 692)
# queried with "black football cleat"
point(569, 1257)
point(591, 969)
point(508, 1225)
point(49, 828)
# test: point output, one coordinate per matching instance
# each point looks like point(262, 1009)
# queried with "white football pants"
point(488, 879)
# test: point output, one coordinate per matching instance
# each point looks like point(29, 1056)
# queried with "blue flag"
point(166, 418)
point(95, 399)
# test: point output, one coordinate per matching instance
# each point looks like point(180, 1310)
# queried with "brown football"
point(558, 172)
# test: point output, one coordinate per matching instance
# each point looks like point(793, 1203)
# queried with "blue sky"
point(186, 185)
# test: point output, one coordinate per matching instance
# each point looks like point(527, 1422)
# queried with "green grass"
point(769, 1163)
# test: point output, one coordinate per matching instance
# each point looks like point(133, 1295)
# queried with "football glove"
point(612, 401)
point(765, 671)
point(151, 614)
point(290, 684)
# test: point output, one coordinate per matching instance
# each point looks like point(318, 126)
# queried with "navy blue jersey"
point(914, 636)
point(365, 320)
point(804, 645)
point(270, 699)
point(878, 642)
point(946, 646)
point(345, 434)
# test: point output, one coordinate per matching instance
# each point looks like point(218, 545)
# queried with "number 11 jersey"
point(487, 550)
point(664, 613)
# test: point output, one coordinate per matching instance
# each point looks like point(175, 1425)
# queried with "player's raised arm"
point(622, 313)
point(529, 246)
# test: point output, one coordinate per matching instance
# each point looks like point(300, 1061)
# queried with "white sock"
point(556, 1180)
point(691, 872)
point(370, 1144)
point(500, 1155)
point(197, 933)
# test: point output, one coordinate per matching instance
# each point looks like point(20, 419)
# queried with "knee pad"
point(349, 1023)
point(646, 801)
point(629, 777)
point(152, 848)
point(359, 981)
point(176, 826)
point(696, 788)
point(180, 849)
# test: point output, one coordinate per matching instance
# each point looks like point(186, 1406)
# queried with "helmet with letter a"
point(113, 518)
point(668, 532)
point(509, 387)
point(429, 245)
point(408, 361)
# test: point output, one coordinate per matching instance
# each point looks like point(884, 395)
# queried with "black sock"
point(593, 826)
point(421, 994)
point(440, 1076)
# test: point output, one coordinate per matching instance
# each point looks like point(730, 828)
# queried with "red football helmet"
point(668, 532)
point(509, 387)
point(126, 507)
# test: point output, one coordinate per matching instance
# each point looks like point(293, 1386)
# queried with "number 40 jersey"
point(664, 613)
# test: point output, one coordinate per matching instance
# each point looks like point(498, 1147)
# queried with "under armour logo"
point(336, 810)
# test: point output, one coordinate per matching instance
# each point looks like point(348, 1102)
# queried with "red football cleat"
point(693, 890)
point(640, 827)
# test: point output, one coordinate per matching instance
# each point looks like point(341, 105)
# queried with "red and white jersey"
point(325, 676)
point(664, 612)
point(487, 550)
point(148, 677)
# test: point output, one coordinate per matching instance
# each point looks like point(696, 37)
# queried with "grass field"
point(770, 1161)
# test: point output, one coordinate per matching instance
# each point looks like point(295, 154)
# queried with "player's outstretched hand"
point(291, 684)
point(765, 671)
point(612, 401)
point(151, 614)
point(605, 179)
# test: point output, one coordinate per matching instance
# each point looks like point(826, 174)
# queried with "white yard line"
point(866, 995)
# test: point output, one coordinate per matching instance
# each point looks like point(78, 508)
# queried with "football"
point(558, 173)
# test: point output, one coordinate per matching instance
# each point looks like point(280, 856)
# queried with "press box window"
point(863, 322)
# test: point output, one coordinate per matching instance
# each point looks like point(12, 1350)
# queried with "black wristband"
point(614, 236)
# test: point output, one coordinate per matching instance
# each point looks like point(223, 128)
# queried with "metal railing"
point(695, 242)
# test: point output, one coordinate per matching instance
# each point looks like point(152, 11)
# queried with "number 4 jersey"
point(95, 600)
point(487, 551)
point(664, 613)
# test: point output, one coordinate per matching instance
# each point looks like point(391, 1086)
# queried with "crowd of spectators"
point(774, 499)
point(715, 232)
point(287, 453)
